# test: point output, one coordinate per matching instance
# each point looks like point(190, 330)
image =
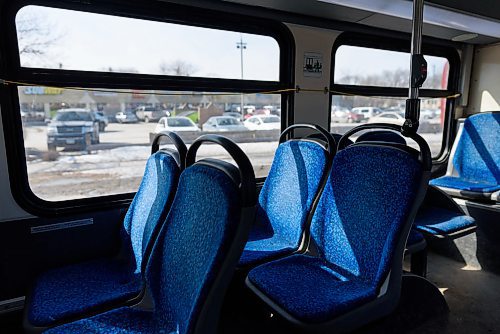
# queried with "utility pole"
point(242, 46)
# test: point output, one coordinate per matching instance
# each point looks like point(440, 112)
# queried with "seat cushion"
point(263, 244)
point(261, 250)
point(462, 184)
point(72, 290)
point(122, 320)
point(309, 288)
point(438, 221)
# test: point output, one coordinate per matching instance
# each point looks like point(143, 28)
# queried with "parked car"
point(355, 116)
point(261, 122)
point(367, 111)
point(126, 117)
point(177, 124)
point(340, 116)
point(103, 120)
point(223, 123)
point(73, 128)
point(388, 117)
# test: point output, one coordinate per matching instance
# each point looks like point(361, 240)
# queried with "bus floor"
point(472, 296)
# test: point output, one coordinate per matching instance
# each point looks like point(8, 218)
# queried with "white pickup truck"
point(147, 114)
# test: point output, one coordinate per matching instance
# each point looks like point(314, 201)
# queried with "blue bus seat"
point(441, 217)
point(356, 276)
point(297, 176)
point(196, 251)
point(474, 165)
point(72, 291)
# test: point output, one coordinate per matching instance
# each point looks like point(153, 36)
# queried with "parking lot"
point(116, 164)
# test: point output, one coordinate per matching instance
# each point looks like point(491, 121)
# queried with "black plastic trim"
point(247, 176)
point(178, 143)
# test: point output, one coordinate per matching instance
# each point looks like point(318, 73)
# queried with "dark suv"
point(75, 128)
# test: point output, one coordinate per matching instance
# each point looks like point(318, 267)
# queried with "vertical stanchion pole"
point(418, 70)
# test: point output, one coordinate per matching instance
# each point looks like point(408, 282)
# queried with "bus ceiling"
point(462, 21)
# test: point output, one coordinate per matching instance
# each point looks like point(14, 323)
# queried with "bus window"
point(94, 42)
point(376, 91)
point(91, 141)
point(385, 68)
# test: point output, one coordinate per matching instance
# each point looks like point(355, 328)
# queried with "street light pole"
point(242, 46)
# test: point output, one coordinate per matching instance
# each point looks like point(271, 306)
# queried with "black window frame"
point(430, 47)
point(10, 69)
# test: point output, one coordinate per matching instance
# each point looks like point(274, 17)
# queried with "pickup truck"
point(74, 128)
point(147, 114)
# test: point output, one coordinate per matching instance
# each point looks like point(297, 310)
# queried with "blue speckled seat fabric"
point(476, 163)
point(311, 289)
point(439, 221)
point(285, 201)
point(185, 260)
point(462, 184)
point(74, 290)
point(122, 320)
point(356, 238)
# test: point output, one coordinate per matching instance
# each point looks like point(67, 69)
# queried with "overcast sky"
point(94, 42)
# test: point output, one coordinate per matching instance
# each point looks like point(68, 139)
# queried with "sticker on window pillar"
point(313, 64)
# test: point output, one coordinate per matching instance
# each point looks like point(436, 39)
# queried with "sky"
point(94, 42)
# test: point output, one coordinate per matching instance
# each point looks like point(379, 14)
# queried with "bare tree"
point(35, 36)
point(178, 67)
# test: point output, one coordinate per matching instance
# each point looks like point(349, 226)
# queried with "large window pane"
point(384, 68)
point(119, 126)
point(58, 38)
point(349, 111)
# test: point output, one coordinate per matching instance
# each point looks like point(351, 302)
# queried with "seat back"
point(297, 175)
point(203, 237)
point(364, 209)
point(368, 206)
point(152, 201)
point(477, 154)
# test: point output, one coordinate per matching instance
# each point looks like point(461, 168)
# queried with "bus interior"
point(236, 166)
